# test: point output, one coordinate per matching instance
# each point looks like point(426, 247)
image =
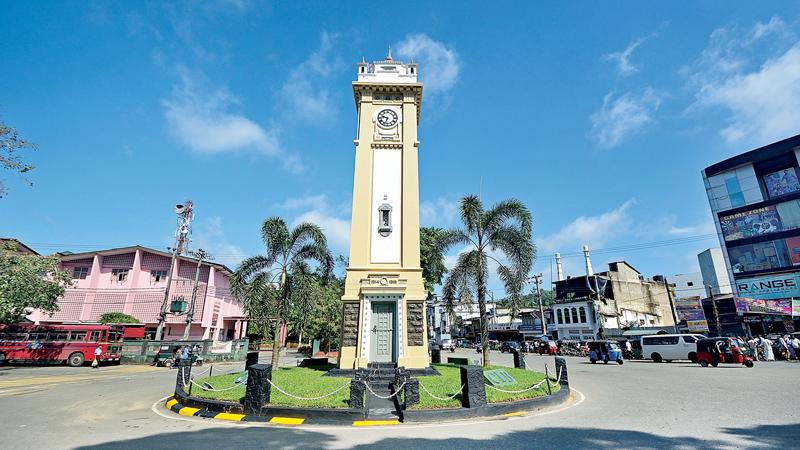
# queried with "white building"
point(714, 272)
point(688, 285)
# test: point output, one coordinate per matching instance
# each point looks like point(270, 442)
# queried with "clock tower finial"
point(389, 54)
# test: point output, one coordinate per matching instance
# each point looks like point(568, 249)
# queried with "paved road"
point(638, 405)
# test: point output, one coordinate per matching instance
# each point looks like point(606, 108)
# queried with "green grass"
point(299, 381)
point(450, 382)
point(309, 382)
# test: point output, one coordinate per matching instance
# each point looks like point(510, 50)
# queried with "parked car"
point(509, 347)
point(448, 344)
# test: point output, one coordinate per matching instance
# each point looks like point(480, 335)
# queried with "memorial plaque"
point(498, 377)
point(416, 324)
point(350, 325)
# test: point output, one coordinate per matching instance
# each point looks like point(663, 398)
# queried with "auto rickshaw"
point(166, 356)
point(605, 351)
point(721, 350)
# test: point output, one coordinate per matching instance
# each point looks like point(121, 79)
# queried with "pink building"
point(132, 280)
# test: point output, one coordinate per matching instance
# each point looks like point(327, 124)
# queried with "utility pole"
point(185, 214)
point(671, 306)
point(601, 328)
point(716, 315)
point(537, 279)
point(201, 255)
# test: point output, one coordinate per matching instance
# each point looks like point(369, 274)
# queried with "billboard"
point(770, 286)
point(750, 223)
point(760, 306)
point(690, 310)
point(782, 182)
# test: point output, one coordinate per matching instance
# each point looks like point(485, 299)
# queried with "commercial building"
point(132, 280)
point(605, 303)
point(755, 204)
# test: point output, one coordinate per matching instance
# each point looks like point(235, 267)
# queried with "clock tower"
point(384, 298)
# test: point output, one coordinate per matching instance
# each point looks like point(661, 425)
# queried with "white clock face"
point(387, 118)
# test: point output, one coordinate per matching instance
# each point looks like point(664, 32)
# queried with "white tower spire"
point(589, 271)
point(559, 268)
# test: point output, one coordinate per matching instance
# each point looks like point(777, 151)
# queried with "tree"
point(117, 317)
point(264, 283)
point(431, 257)
point(10, 145)
point(505, 229)
point(29, 282)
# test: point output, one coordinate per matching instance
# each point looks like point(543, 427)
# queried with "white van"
point(667, 347)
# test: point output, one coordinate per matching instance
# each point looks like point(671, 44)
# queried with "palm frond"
point(275, 235)
point(508, 210)
point(471, 210)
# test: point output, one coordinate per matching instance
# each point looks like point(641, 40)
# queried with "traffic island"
point(302, 395)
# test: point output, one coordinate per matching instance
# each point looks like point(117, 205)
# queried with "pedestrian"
point(790, 347)
point(185, 354)
point(783, 349)
point(753, 343)
point(796, 346)
point(766, 344)
point(96, 362)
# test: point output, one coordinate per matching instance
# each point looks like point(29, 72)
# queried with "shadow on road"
point(767, 436)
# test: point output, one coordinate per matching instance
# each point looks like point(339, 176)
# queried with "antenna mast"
point(185, 215)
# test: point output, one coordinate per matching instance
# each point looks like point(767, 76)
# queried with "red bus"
point(73, 344)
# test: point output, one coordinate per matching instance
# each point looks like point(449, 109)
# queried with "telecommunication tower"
point(185, 213)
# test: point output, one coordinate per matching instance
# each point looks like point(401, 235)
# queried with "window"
point(660, 340)
point(582, 311)
point(157, 276)
point(57, 336)
point(691, 283)
point(13, 337)
point(566, 316)
point(782, 182)
point(80, 273)
point(560, 317)
point(574, 315)
point(734, 191)
point(119, 275)
point(77, 336)
point(97, 336)
point(689, 339)
point(760, 256)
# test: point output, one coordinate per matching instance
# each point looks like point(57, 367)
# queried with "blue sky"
point(599, 116)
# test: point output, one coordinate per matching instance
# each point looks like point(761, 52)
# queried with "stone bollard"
point(252, 358)
point(411, 392)
point(358, 390)
point(258, 388)
point(184, 375)
point(473, 394)
point(519, 360)
point(436, 355)
point(561, 367)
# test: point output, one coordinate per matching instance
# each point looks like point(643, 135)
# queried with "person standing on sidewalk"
point(96, 362)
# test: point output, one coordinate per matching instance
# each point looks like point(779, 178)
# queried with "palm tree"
point(505, 229)
point(255, 280)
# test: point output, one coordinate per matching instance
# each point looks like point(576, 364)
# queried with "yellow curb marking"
point(171, 403)
point(370, 423)
point(512, 414)
point(187, 411)
point(229, 416)
point(287, 420)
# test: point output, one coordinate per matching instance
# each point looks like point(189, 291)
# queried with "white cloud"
point(593, 231)
point(303, 93)
point(441, 212)
point(693, 230)
point(753, 75)
point(438, 65)
point(204, 118)
point(623, 58)
point(318, 210)
point(623, 116)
